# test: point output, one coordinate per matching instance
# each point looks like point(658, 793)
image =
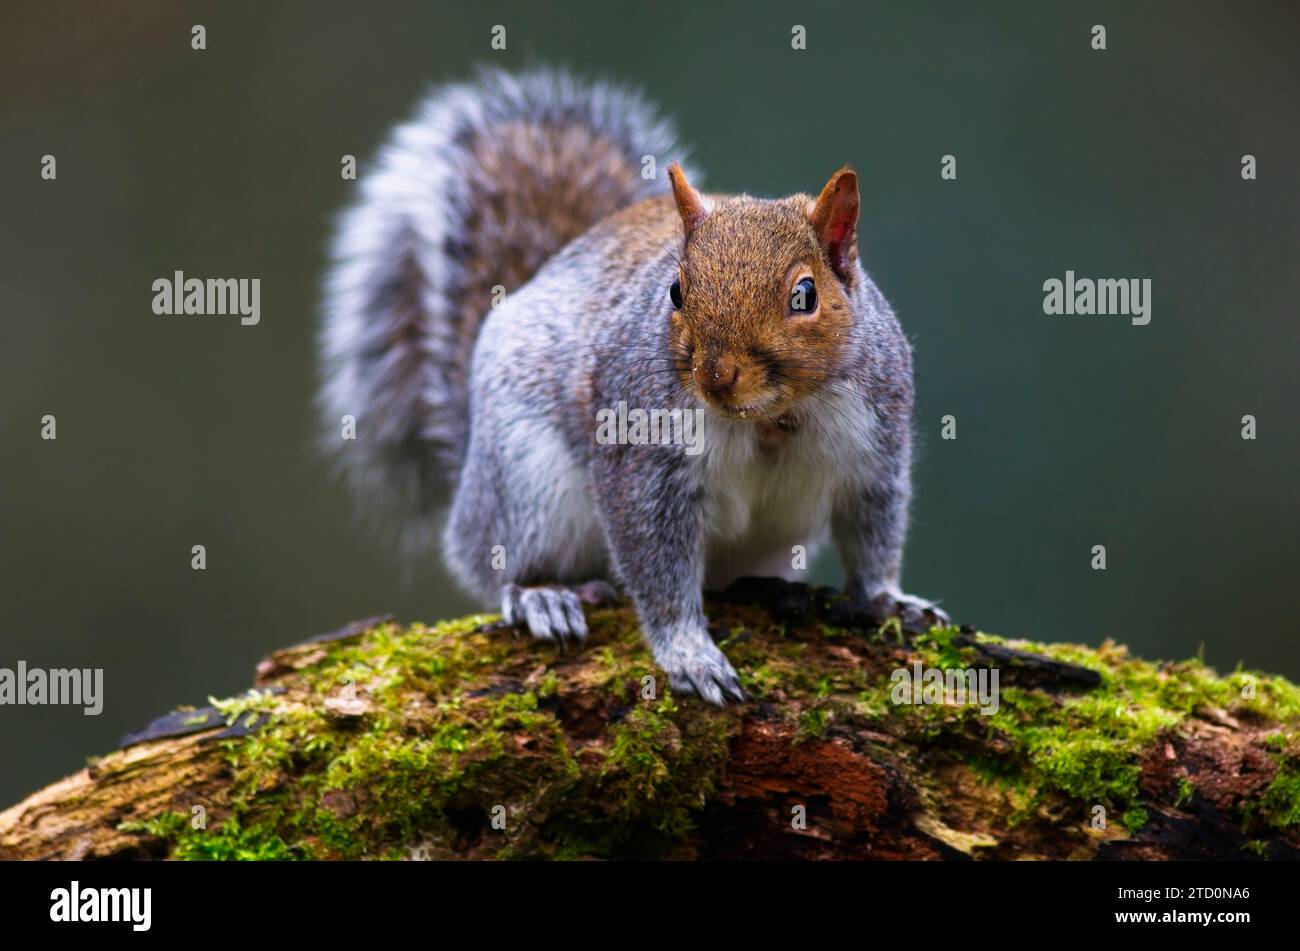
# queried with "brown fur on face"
point(739, 345)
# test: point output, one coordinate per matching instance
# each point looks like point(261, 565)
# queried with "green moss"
point(768, 674)
point(872, 704)
point(434, 754)
point(454, 722)
point(940, 650)
point(892, 628)
point(639, 753)
point(663, 765)
point(1134, 819)
point(167, 826)
point(248, 706)
point(231, 842)
point(1282, 798)
point(1087, 746)
point(813, 722)
point(1091, 751)
point(227, 842)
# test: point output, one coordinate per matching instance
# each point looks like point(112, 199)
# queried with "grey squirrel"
point(620, 288)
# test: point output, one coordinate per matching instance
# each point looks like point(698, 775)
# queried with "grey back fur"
point(463, 204)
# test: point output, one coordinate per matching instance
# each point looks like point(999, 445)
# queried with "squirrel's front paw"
point(695, 665)
point(551, 614)
point(914, 612)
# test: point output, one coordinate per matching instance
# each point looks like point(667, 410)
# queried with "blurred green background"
point(1071, 432)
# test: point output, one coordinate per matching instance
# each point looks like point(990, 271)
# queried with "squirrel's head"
point(762, 302)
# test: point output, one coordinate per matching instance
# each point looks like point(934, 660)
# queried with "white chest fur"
point(769, 490)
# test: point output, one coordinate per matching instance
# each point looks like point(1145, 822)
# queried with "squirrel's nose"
point(718, 377)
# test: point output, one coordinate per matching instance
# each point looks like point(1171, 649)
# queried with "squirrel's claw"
point(919, 613)
point(550, 614)
point(916, 614)
point(702, 669)
point(597, 593)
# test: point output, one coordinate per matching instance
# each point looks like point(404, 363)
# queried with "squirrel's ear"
point(835, 219)
point(689, 203)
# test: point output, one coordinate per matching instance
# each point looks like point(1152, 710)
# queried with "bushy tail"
point(488, 180)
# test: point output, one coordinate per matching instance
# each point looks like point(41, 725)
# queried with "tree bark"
point(468, 740)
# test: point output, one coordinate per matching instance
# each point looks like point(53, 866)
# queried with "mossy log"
point(467, 740)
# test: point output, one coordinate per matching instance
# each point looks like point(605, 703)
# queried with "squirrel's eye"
point(803, 299)
point(675, 294)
